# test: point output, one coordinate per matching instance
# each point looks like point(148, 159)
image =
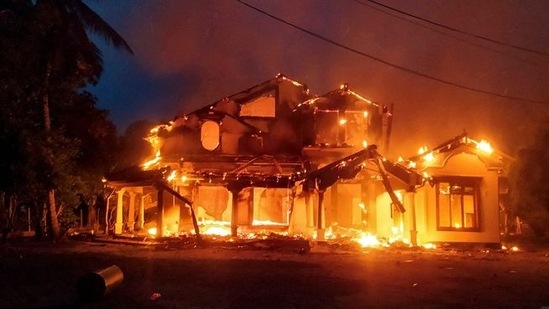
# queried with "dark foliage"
point(529, 179)
point(55, 138)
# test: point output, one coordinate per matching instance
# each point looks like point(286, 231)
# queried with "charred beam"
point(162, 186)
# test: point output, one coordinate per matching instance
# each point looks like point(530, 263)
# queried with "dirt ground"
point(44, 275)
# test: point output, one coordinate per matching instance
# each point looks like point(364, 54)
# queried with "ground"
point(44, 275)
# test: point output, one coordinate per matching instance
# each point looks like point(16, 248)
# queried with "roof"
point(247, 95)
point(341, 98)
point(458, 144)
point(252, 92)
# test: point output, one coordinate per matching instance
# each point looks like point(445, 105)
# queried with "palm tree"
point(71, 60)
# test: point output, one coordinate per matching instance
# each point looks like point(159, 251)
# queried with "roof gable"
point(440, 155)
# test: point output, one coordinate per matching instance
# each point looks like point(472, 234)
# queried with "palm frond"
point(94, 23)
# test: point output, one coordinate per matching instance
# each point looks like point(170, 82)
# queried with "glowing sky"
point(192, 53)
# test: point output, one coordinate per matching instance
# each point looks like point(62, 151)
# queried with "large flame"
point(367, 240)
point(152, 162)
point(484, 146)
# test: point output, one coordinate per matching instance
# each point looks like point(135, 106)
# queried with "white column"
point(119, 212)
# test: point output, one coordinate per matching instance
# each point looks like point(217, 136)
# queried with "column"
point(160, 215)
point(141, 214)
point(119, 212)
point(131, 212)
point(410, 196)
point(309, 213)
point(234, 208)
point(321, 215)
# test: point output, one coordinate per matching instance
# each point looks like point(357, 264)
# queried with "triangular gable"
point(342, 98)
point(231, 106)
point(253, 93)
point(439, 155)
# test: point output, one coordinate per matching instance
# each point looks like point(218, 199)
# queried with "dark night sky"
point(192, 53)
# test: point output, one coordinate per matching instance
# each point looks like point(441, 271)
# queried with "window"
point(356, 128)
point(327, 127)
point(264, 106)
point(457, 204)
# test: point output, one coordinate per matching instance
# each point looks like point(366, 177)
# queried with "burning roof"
point(342, 98)
point(438, 155)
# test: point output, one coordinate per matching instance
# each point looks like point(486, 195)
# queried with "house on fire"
point(274, 157)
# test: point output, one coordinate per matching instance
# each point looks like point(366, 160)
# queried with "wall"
point(462, 164)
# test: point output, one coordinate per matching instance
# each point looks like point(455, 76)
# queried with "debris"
point(155, 296)
point(92, 286)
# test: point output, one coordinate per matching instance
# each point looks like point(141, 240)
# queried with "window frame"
point(462, 182)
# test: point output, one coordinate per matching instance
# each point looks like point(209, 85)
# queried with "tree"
point(19, 87)
point(529, 178)
point(47, 59)
point(98, 146)
point(71, 60)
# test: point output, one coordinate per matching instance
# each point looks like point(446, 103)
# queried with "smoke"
point(191, 53)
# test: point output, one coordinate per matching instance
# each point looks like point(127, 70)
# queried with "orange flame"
point(152, 162)
point(483, 145)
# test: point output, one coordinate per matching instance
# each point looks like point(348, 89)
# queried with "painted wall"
point(466, 165)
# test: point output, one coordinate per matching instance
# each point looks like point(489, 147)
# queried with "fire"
point(427, 156)
point(172, 176)
point(152, 231)
point(217, 230)
point(367, 240)
point(153, 139)
point(364, 143)
point(513, 248)
point(483, 145)
point(266, 223)
point(342, 121)
point(152, 162)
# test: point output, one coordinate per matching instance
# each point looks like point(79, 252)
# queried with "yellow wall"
point(463, 164)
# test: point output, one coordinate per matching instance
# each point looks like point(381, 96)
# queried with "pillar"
point(321, 216)
point(309, 213)
point(119, 212)
point(131, 212)
point(372, 207)
point(410, 196)
point(160, 215)
point(234, 213)
point(242, 206)
point(141, 213)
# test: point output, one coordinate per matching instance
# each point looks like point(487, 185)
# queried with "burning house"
point(274, 157)
point(462, 202)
